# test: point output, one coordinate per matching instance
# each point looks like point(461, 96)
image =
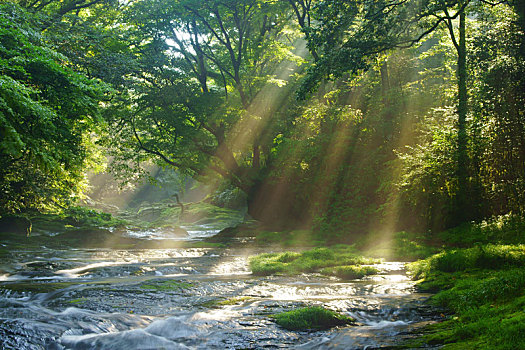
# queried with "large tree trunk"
point(274, 204)
point(462, 208)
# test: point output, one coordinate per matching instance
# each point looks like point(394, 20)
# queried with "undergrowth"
point(483, 288)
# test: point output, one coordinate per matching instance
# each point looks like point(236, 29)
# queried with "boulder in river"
point(177, 231)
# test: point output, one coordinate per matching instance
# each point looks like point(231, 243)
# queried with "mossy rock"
point(226, 302)
point(176, 231)
point(311, 318)
point(246, 229)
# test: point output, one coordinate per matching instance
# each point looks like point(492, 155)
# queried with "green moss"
point(166, 285)
point(77, 301)
point(35, 287)
point(503, 229)
point(350, 272)
point(490, 326)
point(234, 301)
point(308, 261)
point(484, 288)
point(266, 264)
point(311, 318)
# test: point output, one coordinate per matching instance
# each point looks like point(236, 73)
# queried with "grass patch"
point(483, 287)
point(167, 285)
point(311, 318)
point(350, 272)
point(489, 256)
point(313, 260)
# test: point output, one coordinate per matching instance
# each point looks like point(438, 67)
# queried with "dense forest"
point(348, 116)
point(345, 118)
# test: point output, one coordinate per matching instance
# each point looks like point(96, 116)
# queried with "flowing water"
point(188, 298)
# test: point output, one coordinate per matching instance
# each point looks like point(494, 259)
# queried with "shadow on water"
point(188, 298)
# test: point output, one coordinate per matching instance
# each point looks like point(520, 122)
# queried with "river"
point(60, 297)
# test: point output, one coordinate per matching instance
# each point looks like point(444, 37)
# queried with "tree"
point(350, 36)
point(212, 80)
point(47, 112)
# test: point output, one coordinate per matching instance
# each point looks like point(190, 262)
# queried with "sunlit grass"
point(350, 272)
point(490, 256)
point(314, 260)
point(484, 287)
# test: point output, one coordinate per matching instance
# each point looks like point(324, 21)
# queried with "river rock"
point(178, 232)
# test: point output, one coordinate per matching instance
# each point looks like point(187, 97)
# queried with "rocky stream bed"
point(164, 297)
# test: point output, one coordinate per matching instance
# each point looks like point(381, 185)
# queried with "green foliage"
point(311, 318)
point(80, 216)
point(207, 88)
point(308, 261)
point(48, 115)
point(190, 110)
point(428, 184)
point(229, 197)
point(77, 217)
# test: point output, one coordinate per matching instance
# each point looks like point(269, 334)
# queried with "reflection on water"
point(187, 299)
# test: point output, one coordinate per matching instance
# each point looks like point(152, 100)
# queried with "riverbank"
point(480, 281)
point(476, 274)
